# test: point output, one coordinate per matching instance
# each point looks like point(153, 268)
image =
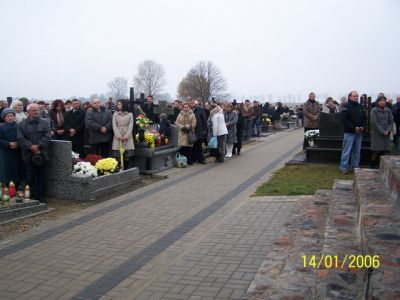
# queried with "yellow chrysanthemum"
point(107, 164)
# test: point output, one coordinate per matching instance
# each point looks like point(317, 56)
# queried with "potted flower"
point(85, 168)
point(107, 166)
point(311, 136)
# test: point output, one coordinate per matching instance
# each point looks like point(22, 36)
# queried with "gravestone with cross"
point(132, 103)
point(163, 107)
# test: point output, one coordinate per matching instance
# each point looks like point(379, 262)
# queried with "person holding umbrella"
point(123, 146)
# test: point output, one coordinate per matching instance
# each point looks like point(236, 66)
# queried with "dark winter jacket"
point(56, 126)
point(94, 121)
point(148, 109)
point(231, 119)
point(201, 122)
point(165, 128)
point(257, 112)
point(277, 114)
point(34, 132)
point(353, 116)
point(396, 114)
point(75, 119)
point(10, 159)
point(381, 120)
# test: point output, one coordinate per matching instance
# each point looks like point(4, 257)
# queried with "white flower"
point(75, 155)
point(83, 168)
point(311, 135)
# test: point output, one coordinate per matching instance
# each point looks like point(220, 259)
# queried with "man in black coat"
point(177, 106)
point(396, 118)
point(354, 121)
point(3, 106)
point(74, 123)
point(98, 121)
point(34, 138)
point(148, 109)
point(200, 130)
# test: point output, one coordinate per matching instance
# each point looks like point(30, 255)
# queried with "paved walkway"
point(197, 235)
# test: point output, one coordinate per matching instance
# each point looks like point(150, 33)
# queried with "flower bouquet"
point(311, 135)
point(75, 158)
point(85, 168)
point(265, 119)
point(107, 166)
point(142, 122)
point(150, 138)
point(92, 158)
point(285, 117)
point(74, 155)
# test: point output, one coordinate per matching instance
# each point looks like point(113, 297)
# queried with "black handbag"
point(192, 138)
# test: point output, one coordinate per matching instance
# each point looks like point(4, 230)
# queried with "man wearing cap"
point(34, 138)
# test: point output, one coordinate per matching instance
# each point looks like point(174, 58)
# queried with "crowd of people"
point(384, 121)
point(27, 129)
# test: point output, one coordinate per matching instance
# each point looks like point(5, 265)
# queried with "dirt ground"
point(62, 208)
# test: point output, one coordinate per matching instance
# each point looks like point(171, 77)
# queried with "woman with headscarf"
point(382, 126)
point(11, 167)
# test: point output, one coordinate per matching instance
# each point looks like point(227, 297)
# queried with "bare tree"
point(93, 96)
point(118, 88)
point(150, 78)
point(204, 81)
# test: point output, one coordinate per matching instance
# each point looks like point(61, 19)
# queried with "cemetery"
point(218, 150)
point(327, 147)
point(152, 157)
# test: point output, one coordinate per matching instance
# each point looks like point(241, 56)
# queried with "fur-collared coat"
point(185, 122)
point(312, 111)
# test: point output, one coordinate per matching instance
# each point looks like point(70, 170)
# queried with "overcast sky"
point(57, 48)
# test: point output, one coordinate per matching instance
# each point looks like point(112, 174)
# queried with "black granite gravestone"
point(330, 125)
point(163, 107)
point(330, 141)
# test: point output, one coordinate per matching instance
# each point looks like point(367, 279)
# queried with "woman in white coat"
point(219, 130)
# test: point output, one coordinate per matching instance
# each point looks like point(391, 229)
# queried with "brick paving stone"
point(87, 254)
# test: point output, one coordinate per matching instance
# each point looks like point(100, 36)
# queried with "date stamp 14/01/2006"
point(341, 262)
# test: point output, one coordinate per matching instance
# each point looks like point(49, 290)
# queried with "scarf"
point(60, 119)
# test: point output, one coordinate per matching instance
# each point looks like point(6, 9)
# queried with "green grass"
point(301, 180)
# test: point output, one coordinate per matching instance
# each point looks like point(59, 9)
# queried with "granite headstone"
point(330, 125)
